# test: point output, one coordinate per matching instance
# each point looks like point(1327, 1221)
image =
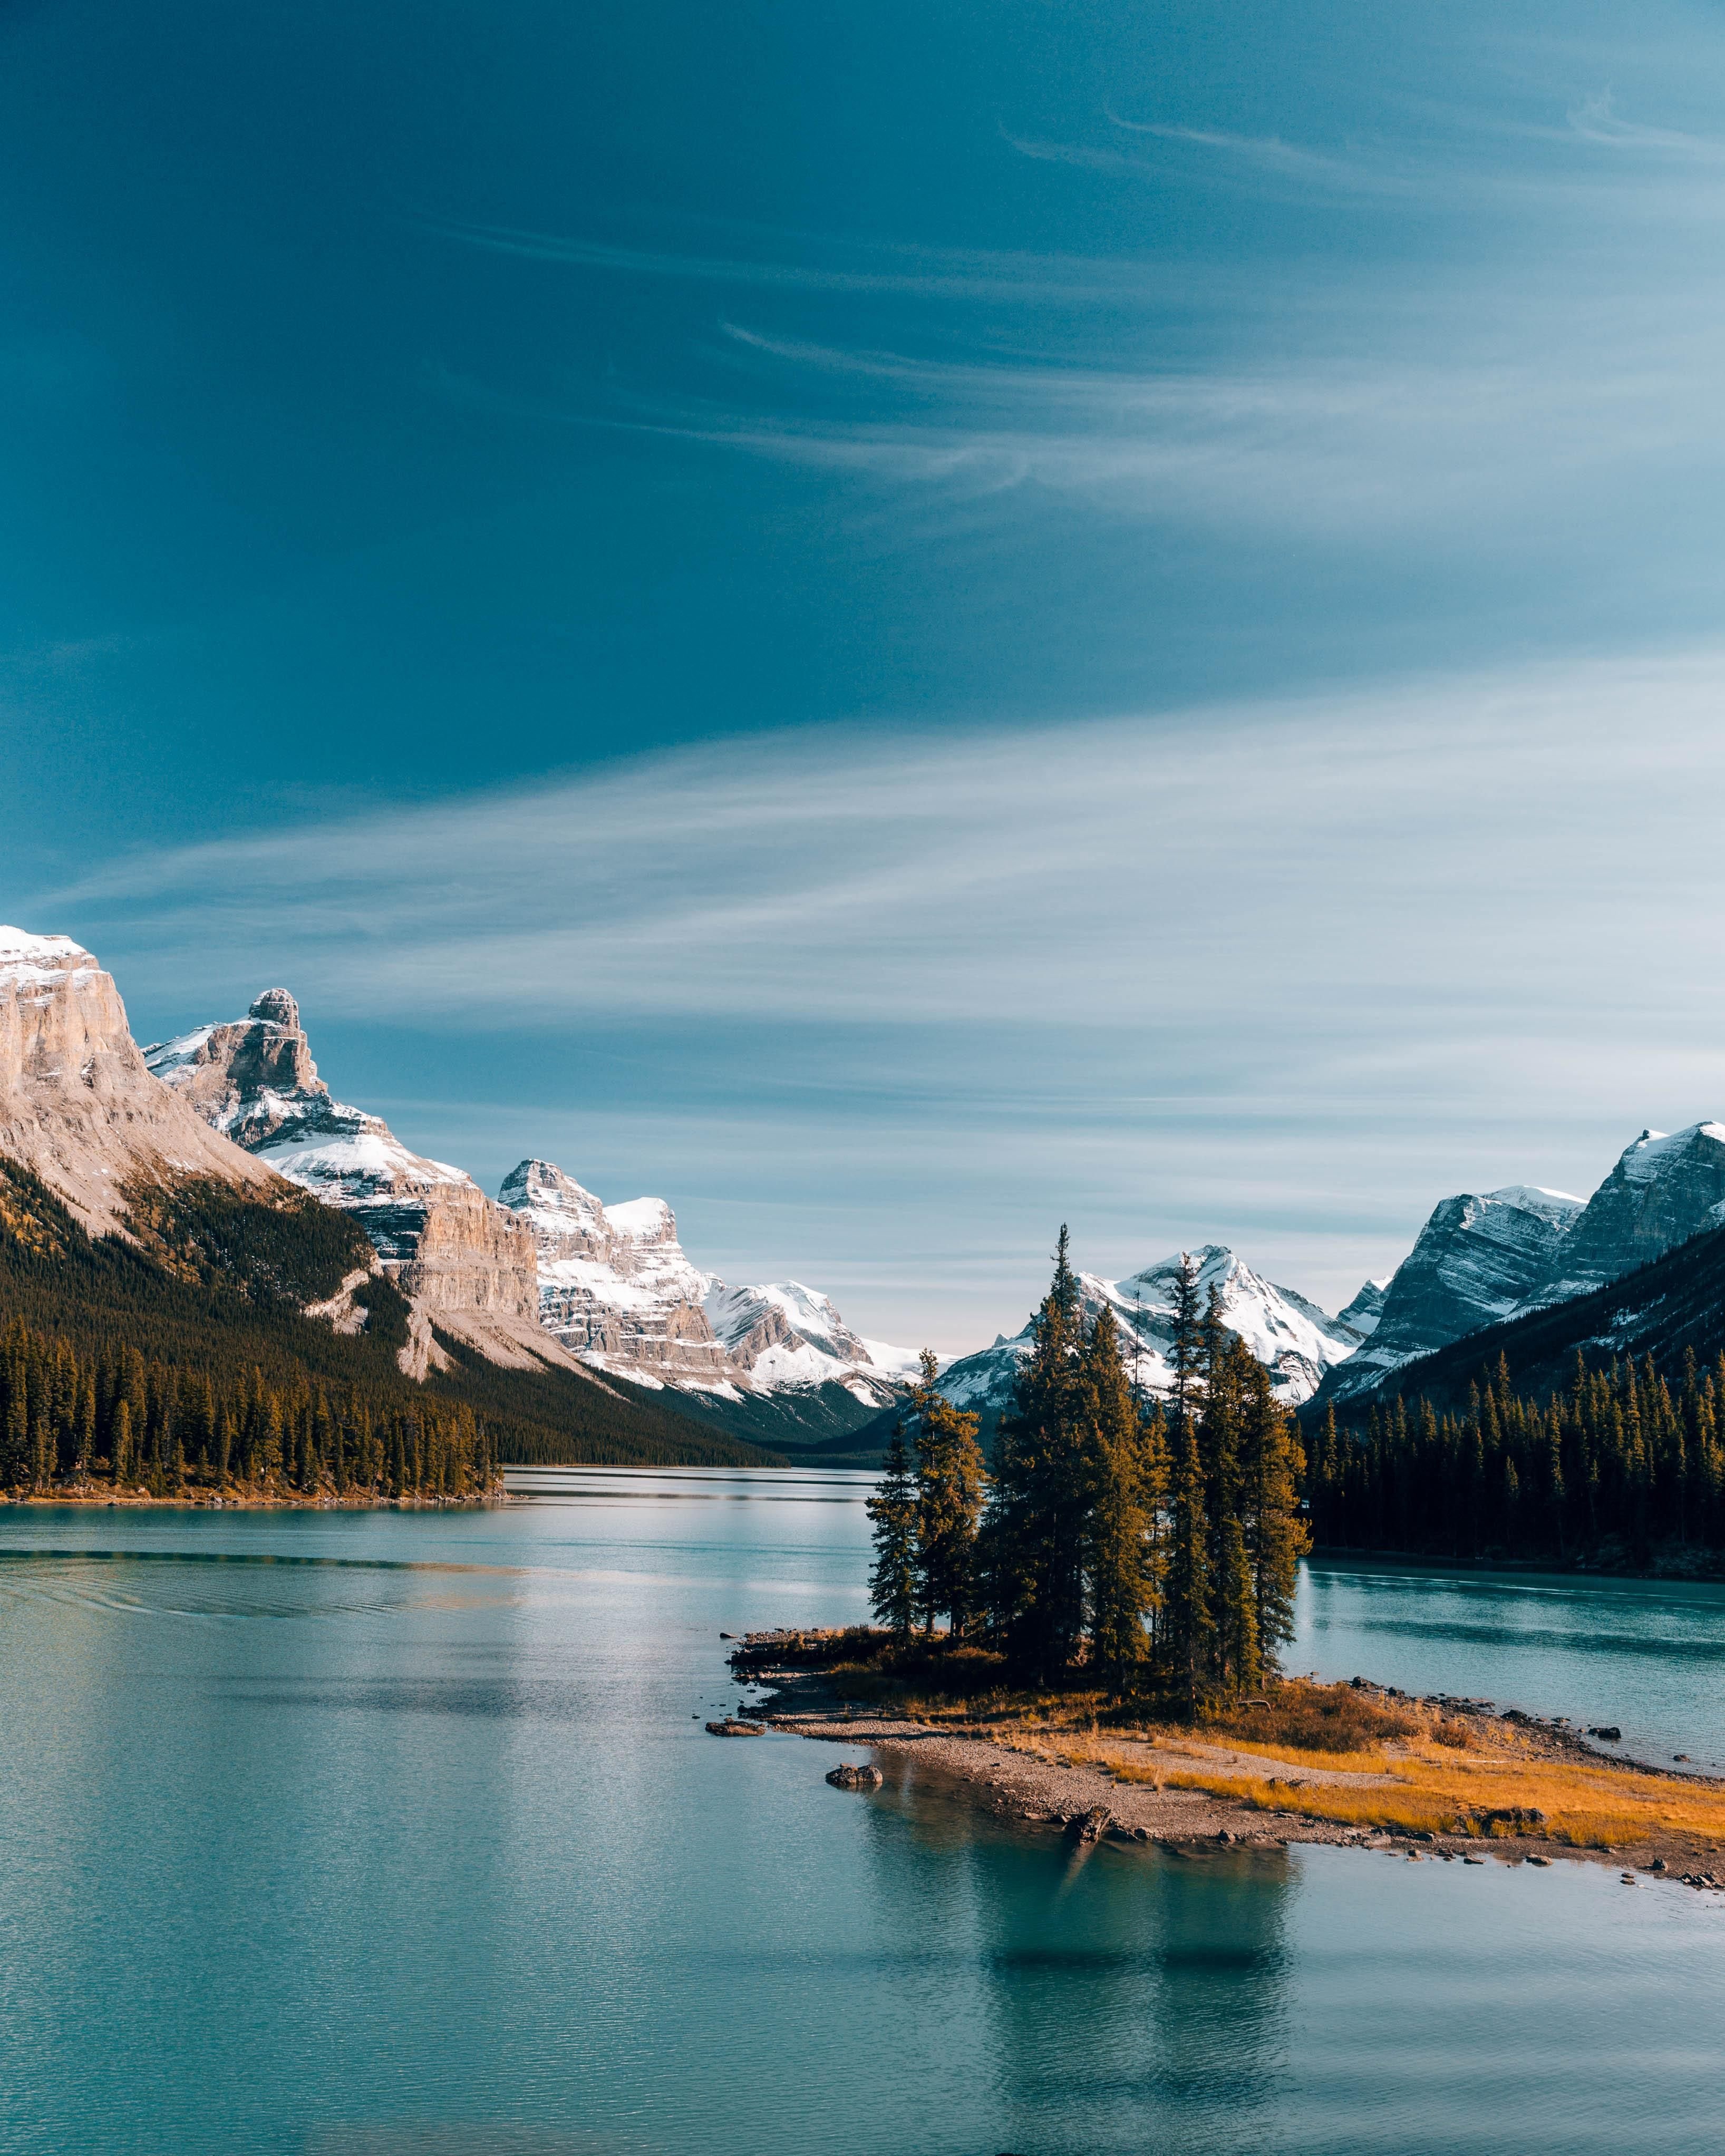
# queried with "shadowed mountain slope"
point(1664, 1309)
point(212, 1282)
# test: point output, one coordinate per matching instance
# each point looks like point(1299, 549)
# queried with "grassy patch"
point(1312, 1717)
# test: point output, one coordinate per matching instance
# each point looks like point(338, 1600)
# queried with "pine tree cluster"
point(147, 1426)
point(1146, 1546)
point(207, 1300)
point(1617, 1457)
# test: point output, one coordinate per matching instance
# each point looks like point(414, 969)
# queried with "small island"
point(1356, 1764)
point(1117, 1584)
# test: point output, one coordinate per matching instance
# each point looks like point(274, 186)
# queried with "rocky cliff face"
point(785, 1334)
point(464, 1262)
point(616, 1286)
point(1663, 1190)
point(1475, 1261)
point(1363, 1314)
point(1294, 1340)
point(78, 1104)
point(1482, 1259)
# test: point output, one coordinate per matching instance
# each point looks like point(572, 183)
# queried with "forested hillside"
point(186, 1357)
point(1669, 1309)
point(1589, 1430)
point(1621, 1466)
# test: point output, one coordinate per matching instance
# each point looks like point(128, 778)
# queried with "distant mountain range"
point(130, 1226)
point(547, 1266)
point(546, 1277)
point(1483, 1261)
point(1290, 1336)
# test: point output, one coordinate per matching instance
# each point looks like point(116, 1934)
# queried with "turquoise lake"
point(374, 1833)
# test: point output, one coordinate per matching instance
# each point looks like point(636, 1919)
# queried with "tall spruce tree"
point(1185, 1635)
point(1272, 1467)
point(950, 1479)
point(1234, 1656)
point(1123, 1559)
point(1034, 1557)
point(892, 1512)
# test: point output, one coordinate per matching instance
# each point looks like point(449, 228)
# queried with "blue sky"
point(896, 624)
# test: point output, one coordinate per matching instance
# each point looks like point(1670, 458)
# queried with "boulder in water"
point(853, 1776)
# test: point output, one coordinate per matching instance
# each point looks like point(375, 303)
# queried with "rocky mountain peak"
point(1662, 1190)
point(454, 1253)
point(276, 1006)
point(251, 1078)
point(78, 1103)
point(1478, 1256)
point(616, 1286)
point(1361, 1315)
point(1295, 1341)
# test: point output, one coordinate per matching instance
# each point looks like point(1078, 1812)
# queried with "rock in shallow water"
point(854, 1776)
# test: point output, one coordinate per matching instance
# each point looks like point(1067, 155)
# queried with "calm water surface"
point(391, 1832)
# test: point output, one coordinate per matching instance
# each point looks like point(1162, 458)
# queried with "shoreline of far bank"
point(1507, 1788)
point(105, 1498)
point(1678, 1565)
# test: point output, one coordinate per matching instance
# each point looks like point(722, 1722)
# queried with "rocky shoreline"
point(991, 1769)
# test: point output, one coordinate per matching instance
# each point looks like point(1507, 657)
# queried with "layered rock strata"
point(614, 1285)
point(1487, 1259)
point(616, 1288)
point(78, 1103)
point(1662, 1190)
point(1475, 1260)
point(465, 1263)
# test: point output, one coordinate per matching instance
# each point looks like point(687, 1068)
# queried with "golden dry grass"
point(1423, 1781)
point(1438, 1791)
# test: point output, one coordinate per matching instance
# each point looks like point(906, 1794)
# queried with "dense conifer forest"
point(183, 1361)
point(1621, 1466)
point(1143, 1546)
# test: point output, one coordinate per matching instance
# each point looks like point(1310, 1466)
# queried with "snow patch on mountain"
point(30, 962)
point(1361, 1315)
point(1295, 1341)
point(253, 1079)
point(463, 1261)
point(1662, 1189)
point(78, 1106)
point(1476, 1258)
point(616, 1286)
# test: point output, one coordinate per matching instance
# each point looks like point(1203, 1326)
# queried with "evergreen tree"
point(950, 1477)
point(1234, 1658)
point(124, 1464)
point(1186, 1635)
point(1123, 1562)
point(1271, 1467)
point(1034, 1560)
point(892, 1511)
point(1187, 1632)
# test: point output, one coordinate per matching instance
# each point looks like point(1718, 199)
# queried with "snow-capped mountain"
point(1661, 1191)
point(78, 1106)
point(616, 1286)
point(1485, 1260)
point(1475, 1261)
point(787, 1334)
point(1362, 1315)
point(1294, 1340)
point(463, 1261)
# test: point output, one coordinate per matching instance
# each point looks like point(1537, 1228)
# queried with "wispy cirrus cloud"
point(826, 264)
point(1282, 973)
point(1325, 855)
